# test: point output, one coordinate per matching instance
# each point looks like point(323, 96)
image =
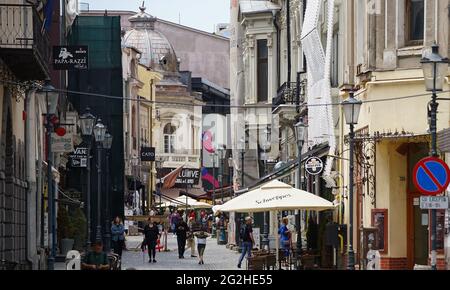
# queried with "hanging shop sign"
point(314, 166)
point(147, 154)
point(79, 158)
point(187, 176)
point(70, 57)
point(431, 176)
point(62, 144)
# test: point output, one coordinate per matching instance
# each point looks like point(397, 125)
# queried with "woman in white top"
point(201, 245)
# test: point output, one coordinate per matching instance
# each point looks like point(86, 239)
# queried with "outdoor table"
point(309, 261)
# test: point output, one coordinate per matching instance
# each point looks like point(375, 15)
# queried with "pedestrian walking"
point(191, 238)
point(118, 236)
point(151, 236)
point(176, 218)
point(201, 245)
point(285, 237)
point(181, 230)
point(246, 235)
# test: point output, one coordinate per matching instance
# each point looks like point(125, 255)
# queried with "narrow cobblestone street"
point(217, 257)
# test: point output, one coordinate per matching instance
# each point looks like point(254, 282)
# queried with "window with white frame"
point(169, 138)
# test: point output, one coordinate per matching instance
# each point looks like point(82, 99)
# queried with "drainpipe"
point(288, 32)
point(30, 160)
point(275, 24)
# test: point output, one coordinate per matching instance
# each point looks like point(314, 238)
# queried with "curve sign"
point(431, 176)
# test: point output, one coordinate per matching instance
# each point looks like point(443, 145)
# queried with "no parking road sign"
point(431, 176)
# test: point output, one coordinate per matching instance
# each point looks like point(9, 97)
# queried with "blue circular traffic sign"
point(431, 176)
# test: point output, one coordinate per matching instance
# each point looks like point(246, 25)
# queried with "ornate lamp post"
point(87, 122)
point(242, 144)
point(222, 154)
point(158, 164)
point(50, 97)
point(351, 108)
point(266, 147)
point(99, 134)
point(107, 144)
point(239, 217)
point(134, 164)
point(300, 133)
point(435, 69)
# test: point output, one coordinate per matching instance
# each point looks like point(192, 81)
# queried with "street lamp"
point(87, 122)
point(300, 133)
point(266, 147)
point(158, 163)
point(134, 164)
point(242, 150)
point(222, 152)
point(351, 108)
point(107, 144)
point(50, 97)
point(99, 135)
point(230, 171)
point(435, 69)
point(239, 216)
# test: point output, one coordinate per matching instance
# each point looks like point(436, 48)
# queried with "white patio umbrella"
point(276, 196)
point(188, 202)
point(216, 208)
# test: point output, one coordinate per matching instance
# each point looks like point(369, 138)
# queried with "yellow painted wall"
point(397, 201)
point(149, 80)
point(146, 76)
point(408, 115)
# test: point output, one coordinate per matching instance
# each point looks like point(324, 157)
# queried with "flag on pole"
point(48, 14)
point(170, 179)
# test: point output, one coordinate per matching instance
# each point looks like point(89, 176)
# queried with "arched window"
point(169, 138)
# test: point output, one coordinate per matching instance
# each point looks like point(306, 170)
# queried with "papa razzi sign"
point(70, 57)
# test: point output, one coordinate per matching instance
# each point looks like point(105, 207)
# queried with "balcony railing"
point(23, 45)
point(288, 94)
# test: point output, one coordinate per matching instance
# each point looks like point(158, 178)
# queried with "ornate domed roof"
point(157, 52)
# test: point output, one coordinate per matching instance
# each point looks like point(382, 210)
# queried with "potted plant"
point(78, 228)
point(64, 231)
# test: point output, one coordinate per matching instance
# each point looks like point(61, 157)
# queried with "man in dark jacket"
point(181, 230)
point(151, 236)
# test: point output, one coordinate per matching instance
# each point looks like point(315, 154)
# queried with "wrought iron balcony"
point(286, 95)
point(24, 47)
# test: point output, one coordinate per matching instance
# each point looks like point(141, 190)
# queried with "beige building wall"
point(380, 61)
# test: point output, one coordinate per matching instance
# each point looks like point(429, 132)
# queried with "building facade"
point(176, 122)
point(24, 66)
point(382, 53)
point(372, 48)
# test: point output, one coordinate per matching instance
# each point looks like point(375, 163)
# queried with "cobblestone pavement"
point(216, 257)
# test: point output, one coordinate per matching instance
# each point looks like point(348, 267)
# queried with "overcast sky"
point(200, 14)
